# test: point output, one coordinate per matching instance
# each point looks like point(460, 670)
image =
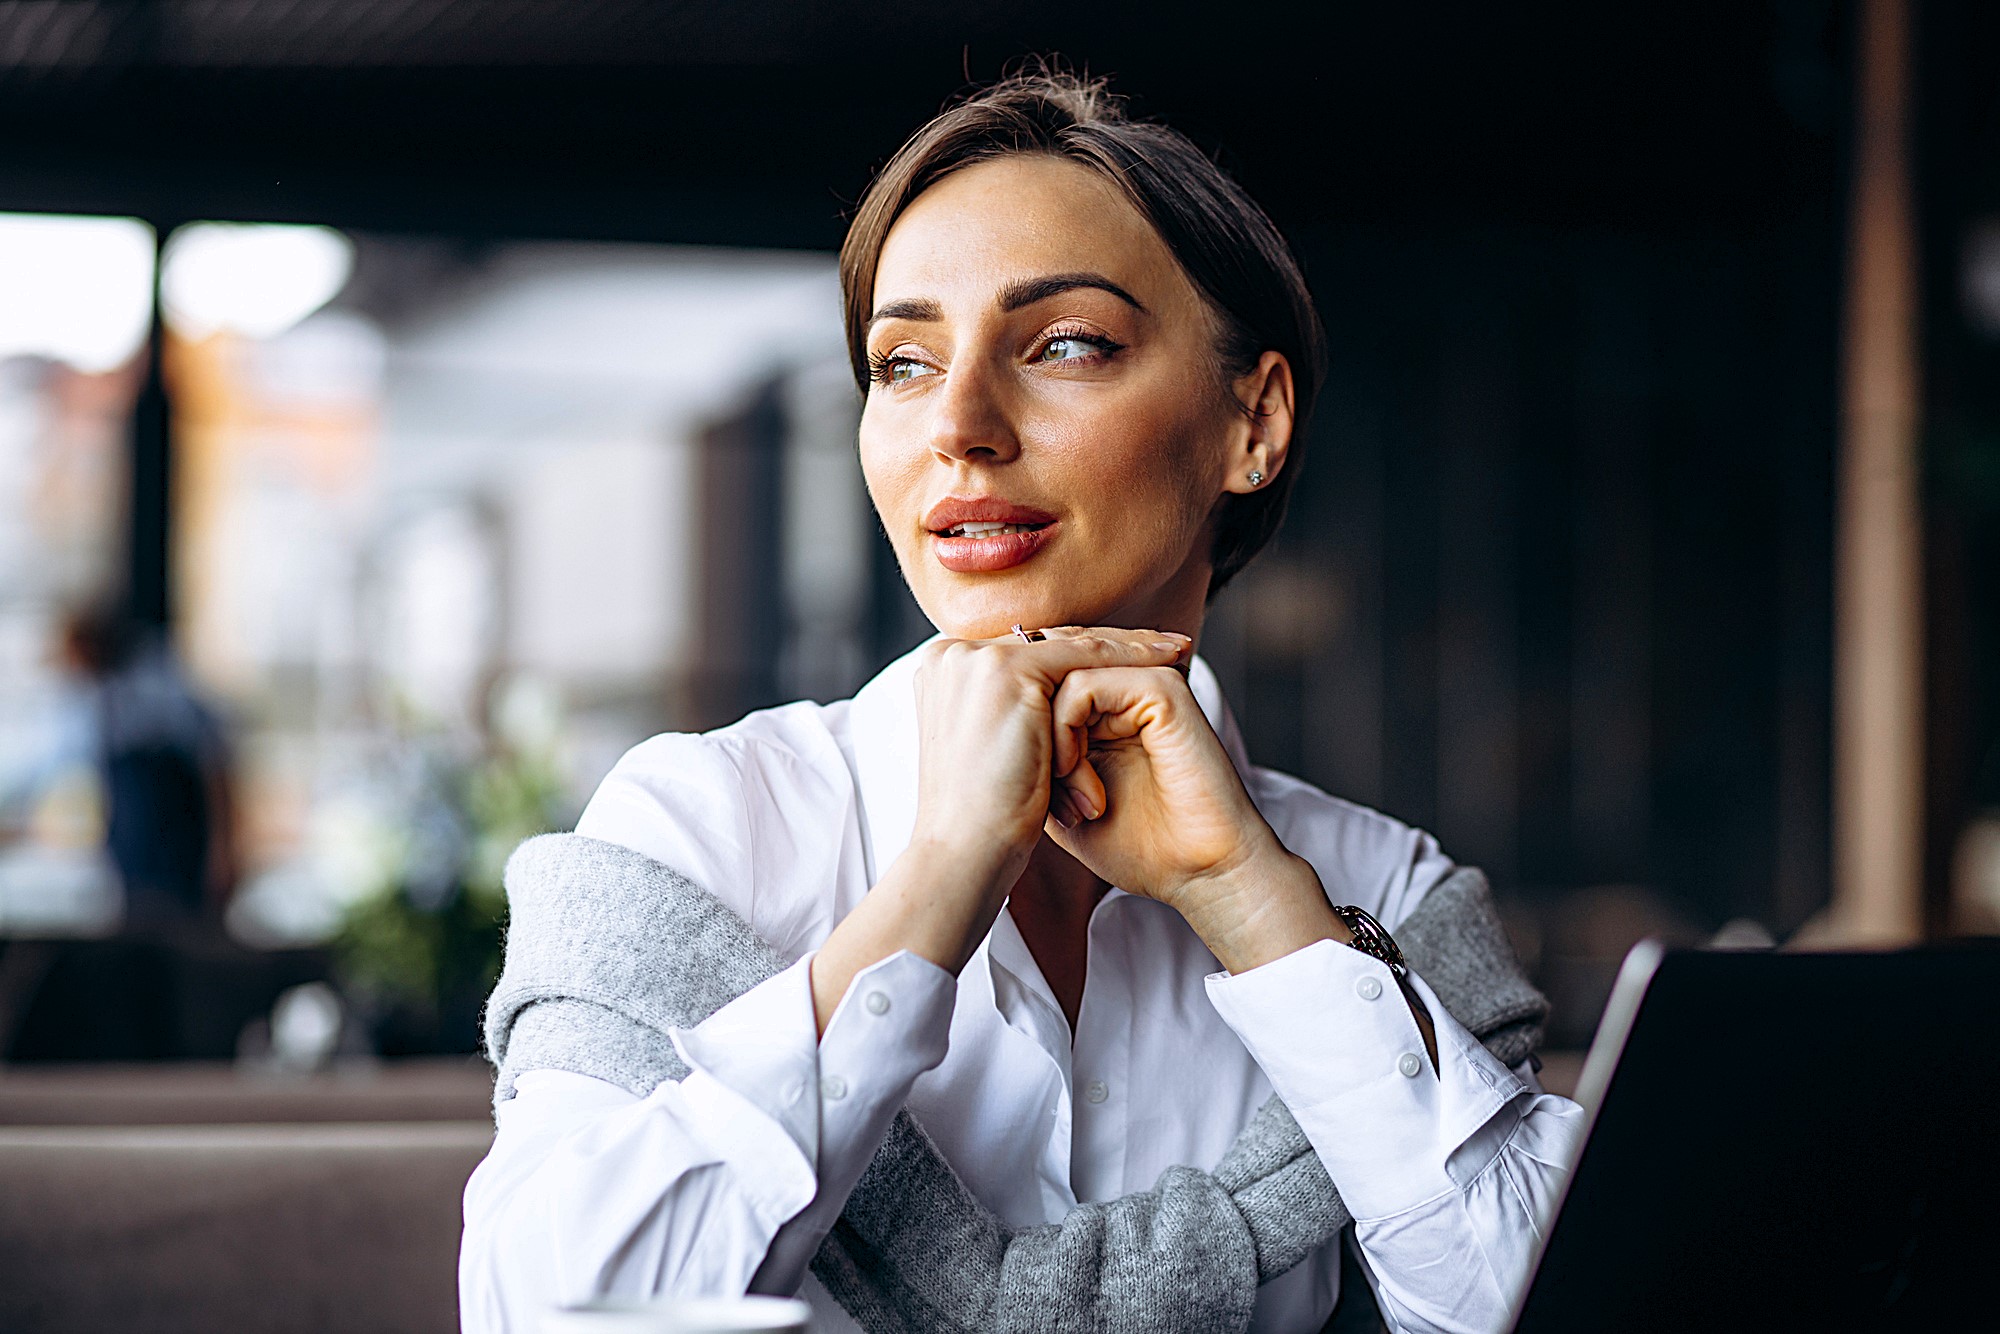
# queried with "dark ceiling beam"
point(627, 120)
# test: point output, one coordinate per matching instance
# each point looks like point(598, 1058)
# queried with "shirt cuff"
point(831, 1094)
point(759, 1047)
point(893, 1025)
point(1333, 1033)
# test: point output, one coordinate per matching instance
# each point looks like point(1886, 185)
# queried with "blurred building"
point(477, 486)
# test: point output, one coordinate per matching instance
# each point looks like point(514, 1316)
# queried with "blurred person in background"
point(134, 771)
point(1033, 887)
point(163, 763)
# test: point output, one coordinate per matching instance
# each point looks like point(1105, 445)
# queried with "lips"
point(979, 534)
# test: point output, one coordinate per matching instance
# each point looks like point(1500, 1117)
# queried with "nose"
point(969, 418)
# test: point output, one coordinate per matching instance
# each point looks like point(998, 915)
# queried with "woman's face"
point(1046, 431)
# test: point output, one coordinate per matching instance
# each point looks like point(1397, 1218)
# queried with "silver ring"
point(1029, 636)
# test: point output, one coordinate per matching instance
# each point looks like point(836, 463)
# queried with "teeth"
point(986, 529)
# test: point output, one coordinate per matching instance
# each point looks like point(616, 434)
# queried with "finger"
point(1064, 836)
point(1071, 719)
point(1104, 703)
point(1078, 799)
point(1072, 710)
point(1070, 648)
point(1082, 791)
point(1122, 634)
point(1065, 649)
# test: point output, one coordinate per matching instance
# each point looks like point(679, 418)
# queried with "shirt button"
point(1096, 1091)
point(877, 1003)
point(1368, 988)
point(1409, 1063)
point(834, 1087)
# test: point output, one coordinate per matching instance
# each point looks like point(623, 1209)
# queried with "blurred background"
point(407, 406)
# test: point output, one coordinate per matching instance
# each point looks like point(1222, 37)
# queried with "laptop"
point(1785, 1142)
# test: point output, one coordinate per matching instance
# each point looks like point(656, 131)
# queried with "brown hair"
point(1223, 241)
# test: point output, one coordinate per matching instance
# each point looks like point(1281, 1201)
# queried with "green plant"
point(422, 949)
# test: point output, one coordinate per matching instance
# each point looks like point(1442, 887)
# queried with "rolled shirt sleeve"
point(836, 1098)
point(714, 1185)
point(1450, 1174)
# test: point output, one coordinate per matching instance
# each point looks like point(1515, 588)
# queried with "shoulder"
point(757, 813)
point(1363, 857)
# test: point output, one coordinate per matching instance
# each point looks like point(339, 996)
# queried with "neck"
point(1178, 604)
point(1051, 904)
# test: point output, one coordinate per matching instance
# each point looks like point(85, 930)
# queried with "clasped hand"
point(1093, 738)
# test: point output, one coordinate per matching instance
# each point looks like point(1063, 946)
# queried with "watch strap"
point(1371, 938)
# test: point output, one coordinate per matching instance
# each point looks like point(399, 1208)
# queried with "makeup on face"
point(981, 534)
point(1041, 433)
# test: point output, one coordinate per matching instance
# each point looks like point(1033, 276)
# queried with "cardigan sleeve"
point(724, 1181)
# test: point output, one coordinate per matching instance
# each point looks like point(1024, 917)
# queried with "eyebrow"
point(1014, 296)
point(918, 308)
point(1028, 291)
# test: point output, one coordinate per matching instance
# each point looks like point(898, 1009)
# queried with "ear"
point(1263, 434)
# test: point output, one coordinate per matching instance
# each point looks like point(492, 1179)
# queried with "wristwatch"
point(1371, 939)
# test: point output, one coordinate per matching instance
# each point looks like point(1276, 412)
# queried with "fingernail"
point(1084, 806)
point(1167, 646)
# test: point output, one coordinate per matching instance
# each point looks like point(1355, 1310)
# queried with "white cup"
point(697, 1315)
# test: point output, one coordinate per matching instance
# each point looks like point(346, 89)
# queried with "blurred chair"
point(179, 995)
point(203, 1093)
point(248, 1229)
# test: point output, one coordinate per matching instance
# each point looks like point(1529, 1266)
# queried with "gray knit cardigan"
point(607, 951)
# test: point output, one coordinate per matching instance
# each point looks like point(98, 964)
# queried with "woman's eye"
point(899, 370)
point(1069, 348)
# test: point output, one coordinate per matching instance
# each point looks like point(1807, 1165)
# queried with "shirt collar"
point(883, 732)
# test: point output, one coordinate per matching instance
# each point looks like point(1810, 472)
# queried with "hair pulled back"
point(1223, 241)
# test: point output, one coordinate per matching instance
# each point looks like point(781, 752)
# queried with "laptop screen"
point(1786, 1141)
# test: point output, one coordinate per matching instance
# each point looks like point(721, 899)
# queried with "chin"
point(988, 613)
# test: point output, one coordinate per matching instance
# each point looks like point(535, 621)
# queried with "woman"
point(1031, 887)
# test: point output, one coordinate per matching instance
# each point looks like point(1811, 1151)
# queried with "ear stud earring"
point(1256, 478)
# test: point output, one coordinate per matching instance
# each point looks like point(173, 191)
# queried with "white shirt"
point(790, 816)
